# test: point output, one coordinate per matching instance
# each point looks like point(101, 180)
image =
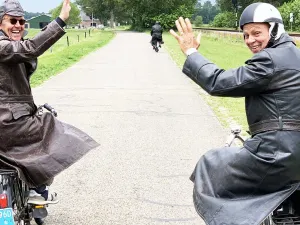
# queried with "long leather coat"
point(241, 186)
point(156, 31)
point(38, 146)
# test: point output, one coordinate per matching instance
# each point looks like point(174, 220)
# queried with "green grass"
point(62, 56)
point(227, 52)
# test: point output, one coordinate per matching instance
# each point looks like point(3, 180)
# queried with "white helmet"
point(264, 13)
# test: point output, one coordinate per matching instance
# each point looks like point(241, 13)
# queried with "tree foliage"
point(167, 20)
point(198, 21)
point(105, 10)
point(29, 15)
point(285, 6)
point(286, 9)
point(225, 19)
point(140, 13)
point(227, 5)
point(143, 13)
point(207, 11)
point(74, 18)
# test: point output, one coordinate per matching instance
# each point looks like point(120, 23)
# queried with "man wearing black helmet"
point(37, 146)
point(156, 33)
point(243, 185)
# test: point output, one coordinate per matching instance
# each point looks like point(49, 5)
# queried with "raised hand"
point(186, 38)
point(65, 10)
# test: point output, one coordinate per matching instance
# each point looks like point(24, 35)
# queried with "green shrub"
point(286, 9)
point(198, 21)
point(167, 21)
point(225, 19)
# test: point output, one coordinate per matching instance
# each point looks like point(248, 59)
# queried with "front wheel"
point(39, 221)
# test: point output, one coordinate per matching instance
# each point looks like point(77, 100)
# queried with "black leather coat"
point(237, 186)
point(38, 146)
point(156, 30)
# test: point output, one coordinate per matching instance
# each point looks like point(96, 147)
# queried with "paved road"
point(152, 125)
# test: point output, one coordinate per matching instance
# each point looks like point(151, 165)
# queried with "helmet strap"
point(273, 35)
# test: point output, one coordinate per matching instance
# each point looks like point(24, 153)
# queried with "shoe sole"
point(37, 202)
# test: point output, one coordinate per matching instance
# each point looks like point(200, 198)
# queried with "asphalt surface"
point(152, 125)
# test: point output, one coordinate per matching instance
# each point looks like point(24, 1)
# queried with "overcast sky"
point(39, 5)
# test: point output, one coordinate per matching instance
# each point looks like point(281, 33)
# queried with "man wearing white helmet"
point(267, 19)
point(243, 185)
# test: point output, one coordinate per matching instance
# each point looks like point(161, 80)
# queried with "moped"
point(14, 207)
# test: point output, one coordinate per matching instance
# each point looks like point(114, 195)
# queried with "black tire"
point(156, 49)
point(39, 221)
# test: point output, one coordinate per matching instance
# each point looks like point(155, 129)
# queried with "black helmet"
point(264, 13)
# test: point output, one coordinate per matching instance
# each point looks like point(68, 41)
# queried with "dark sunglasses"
point(14, 21)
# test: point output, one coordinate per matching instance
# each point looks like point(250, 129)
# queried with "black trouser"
point(156, 38)
point(42, 187)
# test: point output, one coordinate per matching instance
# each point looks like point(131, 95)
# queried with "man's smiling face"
point(256, 36)
point(13, 31)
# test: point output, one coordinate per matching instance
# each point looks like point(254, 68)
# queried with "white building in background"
point(87, 21)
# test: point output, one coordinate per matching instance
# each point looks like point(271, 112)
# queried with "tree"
point(167, 20)
point(291, 7)
point(207, 11)
point(74, 17)
point(225, 19)
point(230, 5)
point(29, 15)
point(141, 13)
point(198, 9)
point(198, 21)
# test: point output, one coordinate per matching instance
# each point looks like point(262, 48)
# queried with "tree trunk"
point(112, 19)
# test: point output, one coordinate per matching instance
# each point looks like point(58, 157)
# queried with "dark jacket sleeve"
point(20, 51)
point(247, 80)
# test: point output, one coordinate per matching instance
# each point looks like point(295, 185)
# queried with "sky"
point(39, 5)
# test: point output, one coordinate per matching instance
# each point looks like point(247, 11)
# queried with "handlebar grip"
point(50, 109)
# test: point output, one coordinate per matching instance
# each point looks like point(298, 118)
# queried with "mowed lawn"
point(61, 56)
point(227, 52)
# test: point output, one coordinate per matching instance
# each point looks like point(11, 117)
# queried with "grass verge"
point(62, 56)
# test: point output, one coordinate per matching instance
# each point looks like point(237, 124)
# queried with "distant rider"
point(156, 34)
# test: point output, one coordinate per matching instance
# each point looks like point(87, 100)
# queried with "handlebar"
point(50, 109)
point(235, 134)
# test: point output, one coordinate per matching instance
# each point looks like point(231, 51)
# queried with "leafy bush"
point(168, 20)
point(225, 19)
point(198, 21)
point(286, 9)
